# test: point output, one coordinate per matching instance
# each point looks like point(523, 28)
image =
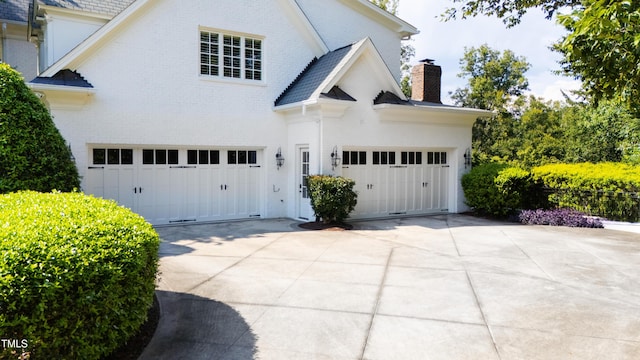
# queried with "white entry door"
point(304, 209)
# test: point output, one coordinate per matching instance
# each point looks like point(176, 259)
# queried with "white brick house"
point(177, 109)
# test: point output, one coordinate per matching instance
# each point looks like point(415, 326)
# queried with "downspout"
point(4, 42)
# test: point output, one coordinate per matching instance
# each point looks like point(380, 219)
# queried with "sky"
point(445, 42)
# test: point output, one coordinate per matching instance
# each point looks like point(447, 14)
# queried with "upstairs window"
point(230, 56)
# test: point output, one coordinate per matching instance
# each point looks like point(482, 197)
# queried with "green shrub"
point(77, 274)
point(33, 154)
point(609, 190)
point(496, 189)
point(332, 198)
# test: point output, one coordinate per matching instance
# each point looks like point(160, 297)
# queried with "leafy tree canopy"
point(603, 50)
point(510, 11)
point(494, 78)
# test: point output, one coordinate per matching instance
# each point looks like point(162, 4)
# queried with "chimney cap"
point(427, 61)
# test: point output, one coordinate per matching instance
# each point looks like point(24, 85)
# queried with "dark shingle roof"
point(338, 94)
point(106, 7)
point(15, 10)
point(18, 10)
point(311, 77)
point(64, 77)
point(387, 97)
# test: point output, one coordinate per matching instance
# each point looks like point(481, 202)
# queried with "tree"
point(494, 78)
point(495, 82)
point(406, 50)
point(606, 133)
point(510, 11)
point(33, 154)
point(603, 50)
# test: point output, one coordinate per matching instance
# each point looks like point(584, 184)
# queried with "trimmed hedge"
point(332, 198)
point(77, 274)
point(33, 154)
point(609, 190)
point(496, 189)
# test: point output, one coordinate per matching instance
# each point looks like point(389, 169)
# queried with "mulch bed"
point(318, 225)
point(136, 345)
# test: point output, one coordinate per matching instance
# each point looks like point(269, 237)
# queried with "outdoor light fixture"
point(335, 159)
point(71, 157)
point(279, 159)
point(467, 158)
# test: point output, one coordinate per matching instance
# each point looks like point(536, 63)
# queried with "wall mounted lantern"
point(71, 157)
point(279, 159)
point(467, 158)
point(335, 158)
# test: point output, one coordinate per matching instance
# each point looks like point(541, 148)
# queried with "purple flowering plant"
point(559, 217)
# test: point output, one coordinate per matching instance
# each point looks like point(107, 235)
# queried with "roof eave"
point(74, 57)
point(393, 22)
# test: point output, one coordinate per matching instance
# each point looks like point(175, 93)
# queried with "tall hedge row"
point(609, 190)
point(33, 154)
point(77, 274)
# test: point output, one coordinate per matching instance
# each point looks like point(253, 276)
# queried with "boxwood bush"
point(77, 274)
point(332, 198)
point(496, 189)
point(33, 154)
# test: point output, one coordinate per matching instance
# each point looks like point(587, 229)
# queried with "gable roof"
point(321, 75)
point(105, 7)
point(312, 76)
point(15, 10)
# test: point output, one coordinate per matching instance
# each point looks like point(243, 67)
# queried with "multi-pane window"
point(203, 157)
point(209, 53)
point(253, 59)
point(436, 158)
point(384, 158)
point(354, 157)
point(230, 56)
point(242, 157)
point(159, 157)
point(112, 156)
point(411, 158)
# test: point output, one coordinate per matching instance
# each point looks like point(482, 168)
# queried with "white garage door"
point(178, 185)
point(397, 182)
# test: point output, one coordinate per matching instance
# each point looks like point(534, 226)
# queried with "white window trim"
point(224, 79)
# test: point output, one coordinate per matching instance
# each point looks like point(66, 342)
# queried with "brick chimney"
point(425, 82)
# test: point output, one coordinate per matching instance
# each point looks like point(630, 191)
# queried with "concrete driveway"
point(438, 287)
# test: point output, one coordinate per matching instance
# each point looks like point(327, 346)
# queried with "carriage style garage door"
point(397, 182)
point(168, 185)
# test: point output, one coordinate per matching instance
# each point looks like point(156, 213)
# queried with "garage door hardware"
point(182, 167)
point(425, 184)
point(398, 167)
point(369, 186)
point(182, 221)
point(137, 190)
point(223, 187)
point(96, 167)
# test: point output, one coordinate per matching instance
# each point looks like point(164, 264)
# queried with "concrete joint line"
point(232, 265)
point(484, 319)
point(378, 297)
